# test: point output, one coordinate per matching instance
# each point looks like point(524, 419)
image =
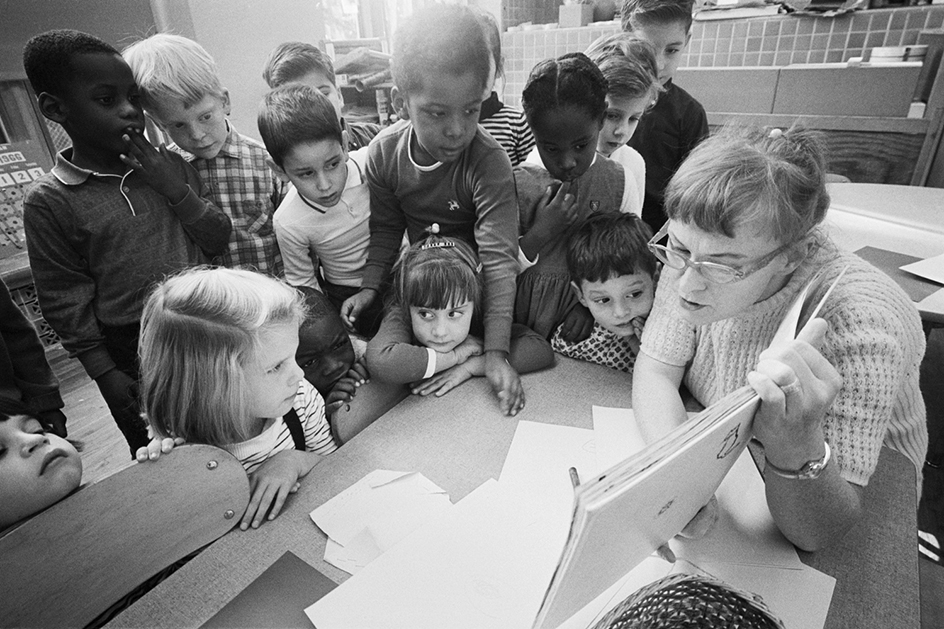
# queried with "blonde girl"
point(218, 367)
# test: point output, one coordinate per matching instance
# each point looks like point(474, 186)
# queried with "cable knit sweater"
point(875, 341)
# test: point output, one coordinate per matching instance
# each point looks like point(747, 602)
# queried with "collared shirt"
point(241, 183)
point(97, 243)
point(335, 238)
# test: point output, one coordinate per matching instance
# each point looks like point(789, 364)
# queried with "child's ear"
point(398, 101)
point(224, 98)
point(278, 170)
point(52, 107)
point(579, 293)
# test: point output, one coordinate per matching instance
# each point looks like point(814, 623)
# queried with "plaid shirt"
point(241, 184)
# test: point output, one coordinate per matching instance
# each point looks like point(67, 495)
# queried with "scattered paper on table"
point(930, 269)
point(539, 460)
point(617, 435)
point(376, 512)
point(483, 565)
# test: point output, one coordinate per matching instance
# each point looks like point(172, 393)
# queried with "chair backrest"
point(68, 564)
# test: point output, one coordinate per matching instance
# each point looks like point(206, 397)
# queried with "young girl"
point(218, 367)
point(504, 123)
point(431, 335)
point(565, 101)
point(632, 76)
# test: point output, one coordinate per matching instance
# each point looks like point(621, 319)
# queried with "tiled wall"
point(770, 41)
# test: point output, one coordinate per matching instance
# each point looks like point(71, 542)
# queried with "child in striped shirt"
point(218, 367)
point(506, 124)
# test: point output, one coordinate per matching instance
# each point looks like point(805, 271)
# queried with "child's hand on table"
point(505, 382)
point(272, 482)
point(441, 383)
point(156, 167)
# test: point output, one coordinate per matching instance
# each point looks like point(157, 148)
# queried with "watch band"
point(809, 471)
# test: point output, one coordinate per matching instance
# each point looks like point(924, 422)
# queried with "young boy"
point(298, 62)
point(322, 224)
point(437, 166)
point(181, 91)
point(632, 78)
point(613, 274)
point(113, 216)
point(333, 363)
point(668, 133)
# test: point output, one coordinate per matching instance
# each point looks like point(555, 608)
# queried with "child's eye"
point(580, 147)
point(277, 368)
point(612, 115)
point(601, 301)
point(473, 111)
point(333, 165)
point(635, 294)
point(206, 117)
point(106, 100)
point(672, 51)
point(308, 364)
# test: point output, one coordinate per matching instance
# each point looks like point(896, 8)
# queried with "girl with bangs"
point(218, 367)
point(431, 335)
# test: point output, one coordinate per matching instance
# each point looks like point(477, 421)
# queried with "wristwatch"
point(810, 470)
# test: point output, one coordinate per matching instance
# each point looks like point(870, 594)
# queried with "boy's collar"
point(71, 175)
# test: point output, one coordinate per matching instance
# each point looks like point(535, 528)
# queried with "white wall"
point(240, 34)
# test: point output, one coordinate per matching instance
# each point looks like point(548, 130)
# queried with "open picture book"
point(622, 515)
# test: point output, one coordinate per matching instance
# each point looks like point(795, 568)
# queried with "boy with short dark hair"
point(298, 62)
point(613, 274)
point(114, 215)
point(438, 170)
point(670, 130)
point(322, 223)
point(181, 91)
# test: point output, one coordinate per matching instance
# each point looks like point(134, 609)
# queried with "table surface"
point(903, 219)
point(460, 440)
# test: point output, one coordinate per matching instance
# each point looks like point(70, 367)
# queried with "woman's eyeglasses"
point(711, 271)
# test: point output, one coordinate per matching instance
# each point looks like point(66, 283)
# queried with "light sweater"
point(875, 342)
point(276, 437)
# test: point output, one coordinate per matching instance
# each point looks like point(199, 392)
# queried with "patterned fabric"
point(509, 127)
point(311, 412)
point(359, 134)
point(241, 183)
point(601, 347)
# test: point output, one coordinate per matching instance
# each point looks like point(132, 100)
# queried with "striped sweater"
point(509, 127)
point(875, 342)
point(276, 437)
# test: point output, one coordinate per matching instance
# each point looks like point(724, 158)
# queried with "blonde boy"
point(181, 92)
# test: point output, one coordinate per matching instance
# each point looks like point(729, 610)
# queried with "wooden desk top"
point(460, 440)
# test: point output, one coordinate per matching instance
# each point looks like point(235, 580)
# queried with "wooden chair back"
point(70, 563)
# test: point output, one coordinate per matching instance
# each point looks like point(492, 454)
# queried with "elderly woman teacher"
point(743, 238)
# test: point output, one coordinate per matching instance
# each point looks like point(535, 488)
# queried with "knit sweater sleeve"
point(387, 221)
point(529, 350)
point(667, 337)
point(876, 343)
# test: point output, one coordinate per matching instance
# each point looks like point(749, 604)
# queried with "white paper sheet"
point(483, 565)
point(745, 532)
point(930, 268)
point(376, 512)
point(539, 460)
point(617, 435)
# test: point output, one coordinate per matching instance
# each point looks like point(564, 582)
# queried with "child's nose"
point(31, 442)
point(323, 182)
point(453, 127)
point(296, 373)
